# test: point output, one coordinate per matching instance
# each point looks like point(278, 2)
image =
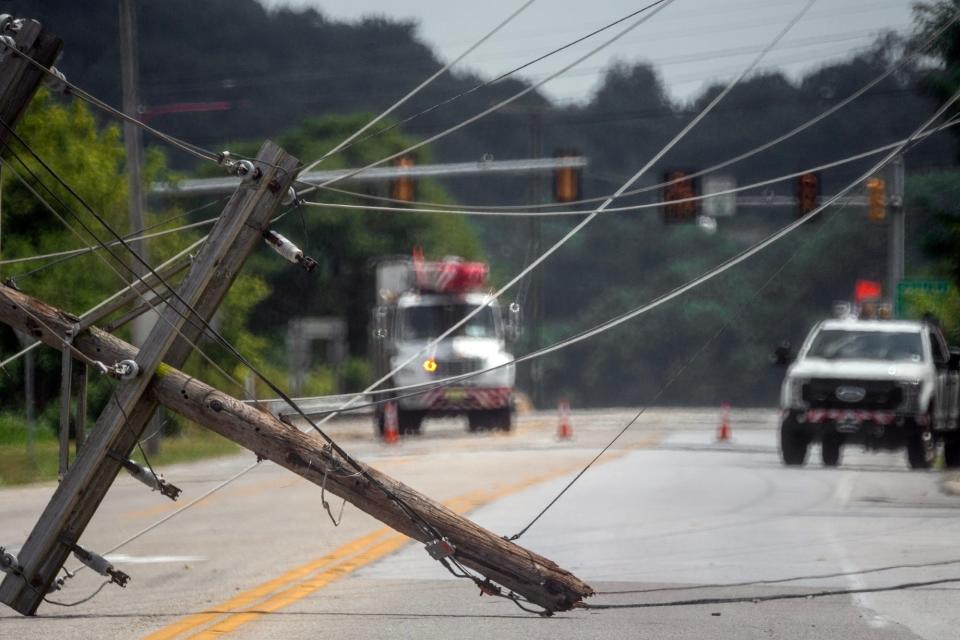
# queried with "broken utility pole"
point(119, 427)
point(154, 378)
point(532, 576)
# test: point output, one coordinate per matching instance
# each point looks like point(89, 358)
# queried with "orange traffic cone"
point(391, 434)
point(723, 431)
point(564, 428)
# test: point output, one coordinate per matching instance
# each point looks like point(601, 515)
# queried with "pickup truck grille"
point(821, 393)
point(458, 366)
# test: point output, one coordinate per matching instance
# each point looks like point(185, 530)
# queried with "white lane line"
point(864, 601)
point(125, 559)
point(844, 489)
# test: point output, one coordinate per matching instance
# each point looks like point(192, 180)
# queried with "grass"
point(17, 468)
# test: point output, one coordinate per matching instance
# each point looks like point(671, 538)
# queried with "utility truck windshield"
point(837, 344)
point(427, 322)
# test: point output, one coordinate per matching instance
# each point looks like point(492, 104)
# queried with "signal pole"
point(535, 311)
point(897, 233)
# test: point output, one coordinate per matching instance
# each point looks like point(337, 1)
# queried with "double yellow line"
point(308, 578)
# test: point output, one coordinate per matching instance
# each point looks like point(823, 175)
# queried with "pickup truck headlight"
point(911, 395)
point(794, 393)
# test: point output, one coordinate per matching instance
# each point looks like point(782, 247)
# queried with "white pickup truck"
point(883, 384)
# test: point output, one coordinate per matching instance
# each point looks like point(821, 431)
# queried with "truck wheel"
point(478, 420)
point(793, 444)
point(830, 450)
point(502, 419)
point(921, 447)
point(409, 421)
point(951, 450)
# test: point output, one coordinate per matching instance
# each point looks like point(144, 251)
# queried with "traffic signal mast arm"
point(523, 572)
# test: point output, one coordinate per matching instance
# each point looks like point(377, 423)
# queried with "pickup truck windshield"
point(836, 344)
point(426, 322)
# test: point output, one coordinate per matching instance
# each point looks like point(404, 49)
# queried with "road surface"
point(687, 537)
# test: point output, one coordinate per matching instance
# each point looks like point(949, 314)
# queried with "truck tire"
point(831, 449)
point(951, 450)
point(502, 419)
point(478, 420)
point(409, 421)
point(921, 447)
point(793, 443)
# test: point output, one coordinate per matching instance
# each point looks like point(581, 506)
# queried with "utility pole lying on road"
point(527, 574)
point(151, 376)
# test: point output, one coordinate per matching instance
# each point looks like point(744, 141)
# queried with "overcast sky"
point(691, 42)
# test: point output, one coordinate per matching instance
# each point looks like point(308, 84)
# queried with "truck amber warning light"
point(430, 365)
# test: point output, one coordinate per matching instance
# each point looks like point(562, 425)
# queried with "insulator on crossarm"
point(288, 250)
point(153, 480)
point(100, 564)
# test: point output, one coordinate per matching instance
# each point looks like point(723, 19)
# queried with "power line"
point(73, 89)
point(653, 8)
point(502, 76)
point(396, 105)
point(913, 55)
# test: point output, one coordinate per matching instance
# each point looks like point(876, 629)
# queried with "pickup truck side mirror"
point(511, 322)
point(783, 354)
point(953, 364)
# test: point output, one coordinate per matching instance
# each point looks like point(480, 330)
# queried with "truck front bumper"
point(874, 429)
point(460, 399)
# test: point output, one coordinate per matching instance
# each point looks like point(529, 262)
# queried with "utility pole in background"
point(133, 141)
point(897, 233)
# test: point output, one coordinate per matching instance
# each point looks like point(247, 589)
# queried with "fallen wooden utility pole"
point(527, 574)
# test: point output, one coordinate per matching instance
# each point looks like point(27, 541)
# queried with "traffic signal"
point(808, 191)
point(678, 187)
point(566, 180)
point(403, 188)
point(876, 199)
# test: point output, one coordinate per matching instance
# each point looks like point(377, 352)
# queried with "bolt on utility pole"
point(896, 208)
point(119, 427)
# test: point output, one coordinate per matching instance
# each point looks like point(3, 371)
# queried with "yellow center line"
point(306, 579)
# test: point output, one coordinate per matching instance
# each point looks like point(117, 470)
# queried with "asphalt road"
point(685, 537)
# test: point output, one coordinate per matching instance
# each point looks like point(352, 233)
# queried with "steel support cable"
point(396, 105)
point(533, 265)
point(175, 513)
point(86, 314)
point(635, 207)
point(654, 8)
point(816, 576)
point(756, 599)
point(914, 54)
point(132, 237)
point(479, 86)
point(73, 89)
point(725, 266)
point(190, 315)
point(142, 296)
